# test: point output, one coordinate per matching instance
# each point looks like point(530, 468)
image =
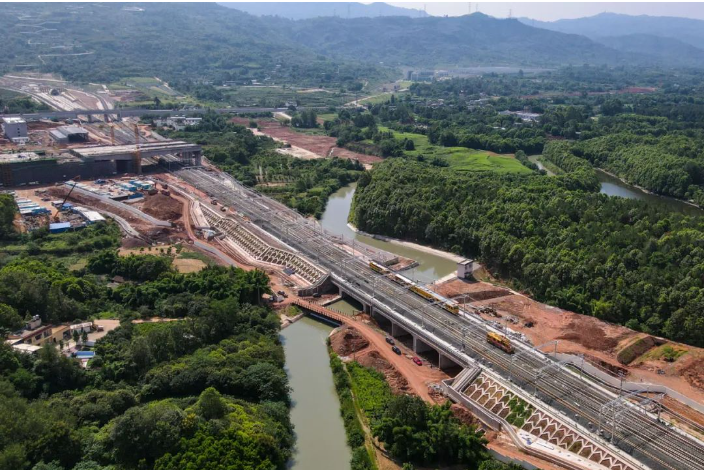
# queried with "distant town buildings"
point(178, 122)
point(523, 115)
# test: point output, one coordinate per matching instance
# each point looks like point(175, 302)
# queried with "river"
point(613, 186)
point(335, 220)
point(320, 436)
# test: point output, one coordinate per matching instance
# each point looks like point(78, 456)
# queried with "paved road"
point(639, 435)
point(136, 112)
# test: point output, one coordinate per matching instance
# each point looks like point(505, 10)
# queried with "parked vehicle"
point(316, 295)
point(396, 350)
point(389, 340)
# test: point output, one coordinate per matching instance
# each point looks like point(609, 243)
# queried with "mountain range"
point(685, 30)
point(207, 42)
point(305, 10)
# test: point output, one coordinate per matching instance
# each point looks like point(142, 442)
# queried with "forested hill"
point(475, 39)
point(617, 259)
point(687, 30)
point(660, 49)
point(207, 42)
point(199, 42)
point(303, 10)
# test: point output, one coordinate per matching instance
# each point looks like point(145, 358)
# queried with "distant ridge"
point(469, 40)
point(687, 30)
point(306, 10)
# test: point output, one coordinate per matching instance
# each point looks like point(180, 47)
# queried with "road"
point(137, 112)
point(639, 435)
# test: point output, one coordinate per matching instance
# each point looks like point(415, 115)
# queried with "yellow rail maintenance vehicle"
point(378, 268)
point(500, 341)
point(401, 280)
point(452, 308)
point(422, 292)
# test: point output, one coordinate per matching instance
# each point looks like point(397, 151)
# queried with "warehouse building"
point(17, 169)
point(69, 134)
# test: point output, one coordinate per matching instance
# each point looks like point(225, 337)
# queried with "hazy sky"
point(555, 11)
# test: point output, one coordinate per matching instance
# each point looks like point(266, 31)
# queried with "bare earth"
point(598, 340)
point(321, 145)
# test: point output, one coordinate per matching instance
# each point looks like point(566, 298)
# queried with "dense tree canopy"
point(617, 259)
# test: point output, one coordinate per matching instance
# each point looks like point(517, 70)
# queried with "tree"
point(76, 336)
point(9, 318)
point(211, 404)
point(146, 432)
point(84, 336)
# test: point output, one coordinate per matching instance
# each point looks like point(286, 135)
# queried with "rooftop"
point(12, 120)
point(31, 157)
point(145, 148)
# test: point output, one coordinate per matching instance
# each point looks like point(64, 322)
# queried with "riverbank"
point(319, 430)
point(646, 191)
point(396, 241)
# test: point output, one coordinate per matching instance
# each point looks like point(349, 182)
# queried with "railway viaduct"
point(422, 338)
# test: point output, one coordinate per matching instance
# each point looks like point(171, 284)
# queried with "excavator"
point(58, 209)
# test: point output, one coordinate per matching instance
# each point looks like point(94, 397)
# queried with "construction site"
point(551, 388)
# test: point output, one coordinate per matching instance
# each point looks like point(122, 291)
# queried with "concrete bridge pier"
point(420, 346)
point(398, 331)
point(444, 362)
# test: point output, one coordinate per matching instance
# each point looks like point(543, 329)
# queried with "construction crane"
point(58, 209)
point(137, 157)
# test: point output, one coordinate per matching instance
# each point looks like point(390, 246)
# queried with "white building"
point(465, 268)
point(15, 129)
point(178, 122)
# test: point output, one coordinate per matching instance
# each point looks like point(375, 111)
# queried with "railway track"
point(639, 434)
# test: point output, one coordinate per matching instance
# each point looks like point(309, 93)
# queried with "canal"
point(315, 413)
point(613, 186)
point(335, 220)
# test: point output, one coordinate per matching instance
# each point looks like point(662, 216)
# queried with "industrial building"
point(15, 129)
point(17, 169)
point(69, 134)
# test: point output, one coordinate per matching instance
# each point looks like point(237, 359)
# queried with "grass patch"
point(291, 311)
point(328, 117)
point(461, 158)
point(276, 96)
point(519, 411)
point(195, 255)
point(382, 98)
point(78, 264)
point(668, 352)
point(550, 166)
point(635, 349)
point(363, 453)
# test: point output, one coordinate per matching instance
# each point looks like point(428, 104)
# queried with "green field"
point(277, 96)
point(381, 98)
point(461, 158)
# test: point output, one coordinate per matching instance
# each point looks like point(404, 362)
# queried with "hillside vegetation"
point(203, 392)
point(208, 44)
point(617, 259)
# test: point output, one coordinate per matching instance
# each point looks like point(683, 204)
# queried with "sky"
point(545, 11)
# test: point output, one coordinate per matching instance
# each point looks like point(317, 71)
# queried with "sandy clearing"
point(425, 249)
